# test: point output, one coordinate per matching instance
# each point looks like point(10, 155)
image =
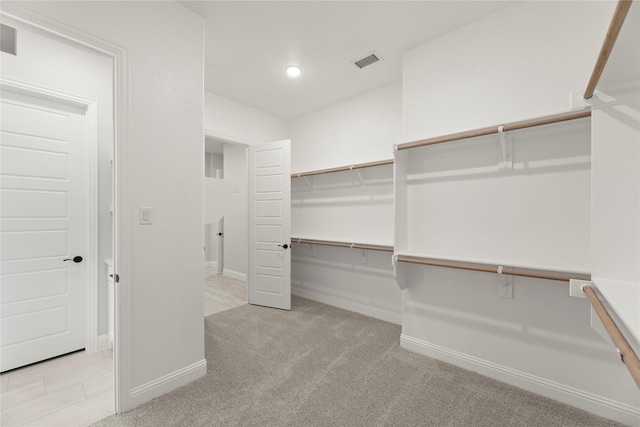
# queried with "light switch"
point(146, 217)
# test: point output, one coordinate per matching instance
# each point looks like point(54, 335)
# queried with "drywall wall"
point(236, 230)
point(162, 283)
point(615, 241)
point(231, 121)
point(71, 69)
point(358, 130)
point(339, 206)
point(521, 63)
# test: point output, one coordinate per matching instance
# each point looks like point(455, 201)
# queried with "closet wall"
point(456, 201)
point(344, 206)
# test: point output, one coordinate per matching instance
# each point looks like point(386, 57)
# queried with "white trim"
point(367, 310)
point(167, 383)
point(234, 274)
point(103, 342)
point(91, 115)
point(228, 139)
point(590, 402)
point(211, 264)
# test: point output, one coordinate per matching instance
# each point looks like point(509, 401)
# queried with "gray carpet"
point(322, 366)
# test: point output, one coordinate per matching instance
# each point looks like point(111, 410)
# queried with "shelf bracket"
point(309, 182)
point(505, 145)
point(505, 285)
point(364, 259)
point(361, 177)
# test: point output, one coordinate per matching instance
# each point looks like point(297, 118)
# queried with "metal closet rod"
point(619, 15)
point(628, 356)
point(344, 244)
point(494, 130)
point(486, 269)
point(343, 168)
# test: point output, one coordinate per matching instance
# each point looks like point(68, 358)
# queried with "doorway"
point(224, 233)
point(49, 100)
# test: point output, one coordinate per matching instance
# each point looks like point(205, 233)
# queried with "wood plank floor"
point(73, 390)
point(77, 390)
point(222, 292)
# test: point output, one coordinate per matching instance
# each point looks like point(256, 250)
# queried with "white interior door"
point(269, 279)
point(43, 221)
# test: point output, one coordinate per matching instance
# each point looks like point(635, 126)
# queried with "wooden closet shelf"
point(343, 168)
point(343, 244)
point(495, 130)
point(619, 15)
point(564, 277)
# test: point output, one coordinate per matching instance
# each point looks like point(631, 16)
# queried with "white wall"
point(521, 63)
point(212, 163)
point(229, 120)
point(69, 68)
point(490, 72)
point(236, 226)
point(162, 275)
point(359, 130)
point(615, 240)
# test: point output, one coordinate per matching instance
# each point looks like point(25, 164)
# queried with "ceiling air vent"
point(367, 60)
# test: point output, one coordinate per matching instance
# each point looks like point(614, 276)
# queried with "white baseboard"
point(167, 383)
point(104, 342)
point(211, 264)
point(234, 274)
point(590, 402)
point(367, 310)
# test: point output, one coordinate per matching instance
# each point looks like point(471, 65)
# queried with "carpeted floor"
point(322, 366)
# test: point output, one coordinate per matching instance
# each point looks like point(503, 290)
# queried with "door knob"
point(284, 246)
point(74, 259)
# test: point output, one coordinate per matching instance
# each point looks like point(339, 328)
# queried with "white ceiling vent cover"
point(367, 60)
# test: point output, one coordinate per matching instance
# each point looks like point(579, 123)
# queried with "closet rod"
point(547, 276)
point(343, 168)
point(495, 130)
point(344, 244)
point(619, 15)
point(628, 356)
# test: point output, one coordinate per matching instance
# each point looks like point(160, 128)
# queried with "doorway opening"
point(61, 184)
point(225, 233)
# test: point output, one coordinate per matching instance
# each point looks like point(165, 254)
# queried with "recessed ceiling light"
point(293, 71)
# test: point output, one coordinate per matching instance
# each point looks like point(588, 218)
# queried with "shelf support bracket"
point(505, 145)
point(505, 285)
point(363, 183)
point(309, 182)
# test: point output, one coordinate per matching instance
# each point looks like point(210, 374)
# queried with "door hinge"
point(116, 278)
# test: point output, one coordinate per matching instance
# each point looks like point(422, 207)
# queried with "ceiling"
point(249, 43)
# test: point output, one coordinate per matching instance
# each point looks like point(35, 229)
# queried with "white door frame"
point(122, 223)
point(91, 198)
